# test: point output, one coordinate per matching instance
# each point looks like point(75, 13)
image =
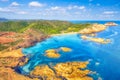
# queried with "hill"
point(3, 19)
point(45, 26)
point(24, 33)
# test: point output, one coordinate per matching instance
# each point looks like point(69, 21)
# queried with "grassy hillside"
point(27, 33)
point(45, 26)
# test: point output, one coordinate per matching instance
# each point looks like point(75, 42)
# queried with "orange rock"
point(93, 29)
point(13, 53)
point(98, 40)
point(45, 72)
point(4, 40)
point(65, 49)
point(51, 53)
point(9, 74)
point(12, 61)
point(69, 71)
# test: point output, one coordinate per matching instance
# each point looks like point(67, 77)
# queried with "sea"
point(104, 59)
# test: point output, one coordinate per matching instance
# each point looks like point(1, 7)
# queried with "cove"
point(107, 55)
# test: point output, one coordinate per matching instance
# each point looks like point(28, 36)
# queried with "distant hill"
point(28, 32)
point(3, 19)
point(45, 26)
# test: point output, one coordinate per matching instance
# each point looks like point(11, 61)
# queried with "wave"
point(114, 34)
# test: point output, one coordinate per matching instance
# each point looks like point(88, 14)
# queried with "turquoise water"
point(107, 55)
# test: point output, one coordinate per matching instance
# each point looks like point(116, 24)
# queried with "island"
point(65, 49)
point(98, 40)
point(110, 24)
point(52, 53)
point(90, 33)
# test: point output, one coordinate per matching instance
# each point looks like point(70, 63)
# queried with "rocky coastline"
point(63, 71)
point(13, 56)
point(95, 28)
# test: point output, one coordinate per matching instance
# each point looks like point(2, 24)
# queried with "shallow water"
point(104, 58)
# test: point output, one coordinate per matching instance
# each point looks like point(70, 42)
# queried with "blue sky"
point(61, 9)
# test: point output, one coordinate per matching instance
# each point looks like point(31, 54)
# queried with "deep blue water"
point(107, 55)
point(101, 22)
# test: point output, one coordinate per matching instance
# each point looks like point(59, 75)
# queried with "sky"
point(60, 9)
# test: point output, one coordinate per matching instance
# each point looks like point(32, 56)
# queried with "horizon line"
point(67, 20)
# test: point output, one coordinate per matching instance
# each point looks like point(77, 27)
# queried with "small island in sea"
point(111, 24)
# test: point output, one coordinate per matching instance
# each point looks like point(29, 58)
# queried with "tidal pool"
point(103, 58)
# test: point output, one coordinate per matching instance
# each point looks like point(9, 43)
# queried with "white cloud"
point(12, 10)
point(76, 7)
point(4, 0)
point(55, 8)
point(107, 16)
point(58, 10)
point(55, 11)
point(77, 13)
point(5, 10)
point(22, 12)
point(35, 4)
point(14, 4)
point(69, 7)
point(81, 7)
point(109, 12)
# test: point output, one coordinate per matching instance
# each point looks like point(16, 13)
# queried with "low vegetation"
point(45, 26)
point(28, 32)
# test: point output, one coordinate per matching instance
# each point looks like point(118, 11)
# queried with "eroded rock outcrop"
point(65, 49)
point(13, 53)
point(9, 61)
point(10, 74)
point(93, 29)
point(29, 38)
point(20, 40)
point(12, 61)
point(45, 72)
point(7, 37)
point(63, 71)
point(52, 53)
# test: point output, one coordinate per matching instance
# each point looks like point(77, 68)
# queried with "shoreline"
point(60, 34)
point(18, 52)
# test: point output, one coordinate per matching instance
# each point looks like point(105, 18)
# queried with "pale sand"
point(64, 34)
